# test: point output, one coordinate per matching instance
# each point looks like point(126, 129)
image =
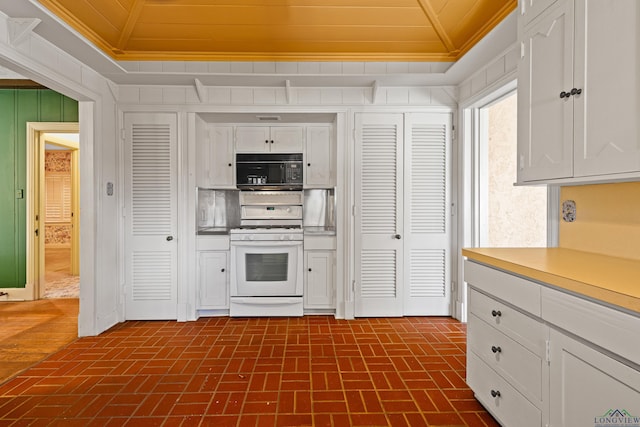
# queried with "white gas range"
point(267, 255)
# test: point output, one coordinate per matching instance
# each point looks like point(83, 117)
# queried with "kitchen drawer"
point(529, 332)
point(212, 243)
point(509, 407)
point(319, 242)
point(611, 329)
point(515, 290)
point(521, 367)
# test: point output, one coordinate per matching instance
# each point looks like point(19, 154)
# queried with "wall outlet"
point(569, 211)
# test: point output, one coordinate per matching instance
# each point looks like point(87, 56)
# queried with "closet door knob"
point(169, 238)
point(496, 349)
point(496, 313)
point(495, 393)
point(575, 91)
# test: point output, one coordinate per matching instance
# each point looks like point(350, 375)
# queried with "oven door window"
point(267, 267)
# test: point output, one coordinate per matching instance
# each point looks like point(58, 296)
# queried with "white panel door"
point(607, 54)
point(379, 202)
point(427, 220)
point(151, 211)
point(222, 170)
point(545, 120)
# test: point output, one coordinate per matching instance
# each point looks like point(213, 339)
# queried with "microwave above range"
point(269, 171)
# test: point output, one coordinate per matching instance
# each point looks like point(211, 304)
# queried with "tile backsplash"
point(607, 219)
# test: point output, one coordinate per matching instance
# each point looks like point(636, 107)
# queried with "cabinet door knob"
point(266, 141)
point(496, 349)
point(495, 393)
point(564, 94)
point(230, 165)
point(222, 270)
point(308, 164)
point(576, 91)
point(169, 238)
point(496, 313)
point(309, 269)
point(272, 141)
point(397, 236)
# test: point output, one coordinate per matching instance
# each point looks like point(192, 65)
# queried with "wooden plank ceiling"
point(283, 30)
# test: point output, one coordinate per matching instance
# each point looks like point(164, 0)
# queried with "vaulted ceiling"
point(283, 30)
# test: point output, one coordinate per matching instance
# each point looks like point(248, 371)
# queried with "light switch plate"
point(569, 211)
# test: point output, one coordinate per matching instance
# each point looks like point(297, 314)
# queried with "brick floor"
point(308, 371)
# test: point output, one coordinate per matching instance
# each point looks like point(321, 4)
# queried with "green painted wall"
point(17, 107)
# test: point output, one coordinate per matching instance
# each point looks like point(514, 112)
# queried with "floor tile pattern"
point(309, 371)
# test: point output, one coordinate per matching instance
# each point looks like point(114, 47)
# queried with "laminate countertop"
point(611, 280)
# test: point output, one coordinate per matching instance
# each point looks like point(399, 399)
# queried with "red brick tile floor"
point(309, 371)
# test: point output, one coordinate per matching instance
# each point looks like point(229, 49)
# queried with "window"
point(509, 216)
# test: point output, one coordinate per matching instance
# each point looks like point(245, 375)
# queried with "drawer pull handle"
point(496, 313)
point(496, 349)
point(495, 393)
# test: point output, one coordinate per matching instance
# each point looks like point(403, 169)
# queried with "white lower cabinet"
point(574, 363)
point(506, 363)
point(590, 388)
point(213, 272)
point(319, 281)
point(213, 279)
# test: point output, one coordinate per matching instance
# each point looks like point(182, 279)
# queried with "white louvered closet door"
point(379, 201)
point(427, 221)
point(151, 212)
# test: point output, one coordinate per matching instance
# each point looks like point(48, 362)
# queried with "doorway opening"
point(61, 259)
point(53, 250)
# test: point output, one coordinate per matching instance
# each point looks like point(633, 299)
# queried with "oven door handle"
point(266, 301)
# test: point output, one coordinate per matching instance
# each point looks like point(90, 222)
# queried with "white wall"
point(31, 56)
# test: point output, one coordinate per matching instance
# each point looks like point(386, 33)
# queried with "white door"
point(427, 220)
point(545, 120)
point(151, 194)
point(607, 46)
point(378, 220)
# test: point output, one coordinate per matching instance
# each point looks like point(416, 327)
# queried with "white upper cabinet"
point(265, 139)
point(319, 158)
point(607, 58)
point(214, 156)
point(578, 92)
point(545, 121)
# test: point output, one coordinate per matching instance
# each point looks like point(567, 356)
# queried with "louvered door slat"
point(151, 288)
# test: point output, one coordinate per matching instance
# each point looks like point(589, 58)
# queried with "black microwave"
point(269, 171)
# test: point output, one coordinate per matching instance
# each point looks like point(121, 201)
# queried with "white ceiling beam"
point(432, 16)
point(201, 90)
point(287, 90)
